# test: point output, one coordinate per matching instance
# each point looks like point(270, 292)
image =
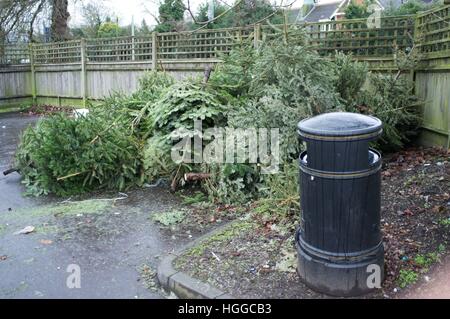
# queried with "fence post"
point(132, 48)
point(83, 72)
point(154, 51)
point(256, 35)
point(417, 39)
point(33, 74)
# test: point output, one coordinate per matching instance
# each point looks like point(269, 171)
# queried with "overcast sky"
point(126, 9)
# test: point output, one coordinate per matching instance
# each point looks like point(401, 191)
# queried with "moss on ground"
point(2, 229)
point(224, 235)
point(90, 206)
point(169, 218)
point(46, 229)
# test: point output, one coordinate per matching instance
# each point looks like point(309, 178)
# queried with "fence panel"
point(203, 44)
point(433, 29)
point(14, 54)
point(57, 52)
point(356, 37)
point(119, 49)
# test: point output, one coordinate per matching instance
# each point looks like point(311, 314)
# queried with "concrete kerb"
point(180, 283)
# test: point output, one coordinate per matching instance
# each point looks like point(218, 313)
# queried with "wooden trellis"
point(430, 30)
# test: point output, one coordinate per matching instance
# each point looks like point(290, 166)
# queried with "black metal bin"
point(339, 234)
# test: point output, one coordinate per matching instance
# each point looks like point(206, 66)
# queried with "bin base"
point(338, 278)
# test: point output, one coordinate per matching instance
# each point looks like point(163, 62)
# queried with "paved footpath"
point(438, 285)
point(110, 247)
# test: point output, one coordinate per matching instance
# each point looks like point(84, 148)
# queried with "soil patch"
point(253, 259)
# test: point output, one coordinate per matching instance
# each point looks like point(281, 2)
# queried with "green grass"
point(46, 229)
point(445, 222)
point(2, 228)
point(407, 277)
point(169, 218)
point(426, 260)
point(197, 197)
point(90, 206)
point(15, 107)
point(225, 235)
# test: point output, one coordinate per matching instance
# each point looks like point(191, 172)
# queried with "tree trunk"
point(60, 17)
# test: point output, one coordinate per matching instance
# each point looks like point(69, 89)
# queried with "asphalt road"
point(110, 245)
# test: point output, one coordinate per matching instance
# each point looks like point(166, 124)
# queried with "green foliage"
point(407, 277)
point(304, 79)
point(426, 260)
point(282, 83)
point(409, 7)
point(234, 75)
point(271, 111)
point(171, 13)
point(171, 118)
point(244, 13)
point(197, 197)
point(129, 139)
point(155, 82)
point(185, 102)
point(152, 85)
point(279, 195)
point(169, 218)
point(231, 183)
point(445, 222)
point(108, 29)
point(391, 99)
point(65, 156)
point(202, 16)
point(251, 11)
point(144, 29)
point(358, 11)
point(157, 161)
point(351, 77)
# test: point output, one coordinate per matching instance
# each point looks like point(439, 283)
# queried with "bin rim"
point(326, 126)
point(373, 168)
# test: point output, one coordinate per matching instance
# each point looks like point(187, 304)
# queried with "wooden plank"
point(154, 51)
point(83, 85)
point(33, 74)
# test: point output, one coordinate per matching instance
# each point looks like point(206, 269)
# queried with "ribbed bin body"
point(339, 234)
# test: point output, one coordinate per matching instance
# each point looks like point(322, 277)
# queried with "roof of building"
point(322, 12)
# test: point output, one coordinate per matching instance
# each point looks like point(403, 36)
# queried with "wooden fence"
point(72, 72)
point(349, 36)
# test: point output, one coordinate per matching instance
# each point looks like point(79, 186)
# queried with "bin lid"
point(340, 124)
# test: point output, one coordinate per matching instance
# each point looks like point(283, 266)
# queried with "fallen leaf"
point(26, 230)
point(235, 253)
point(408, 212)
point(437, 209)
point(46, 241)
